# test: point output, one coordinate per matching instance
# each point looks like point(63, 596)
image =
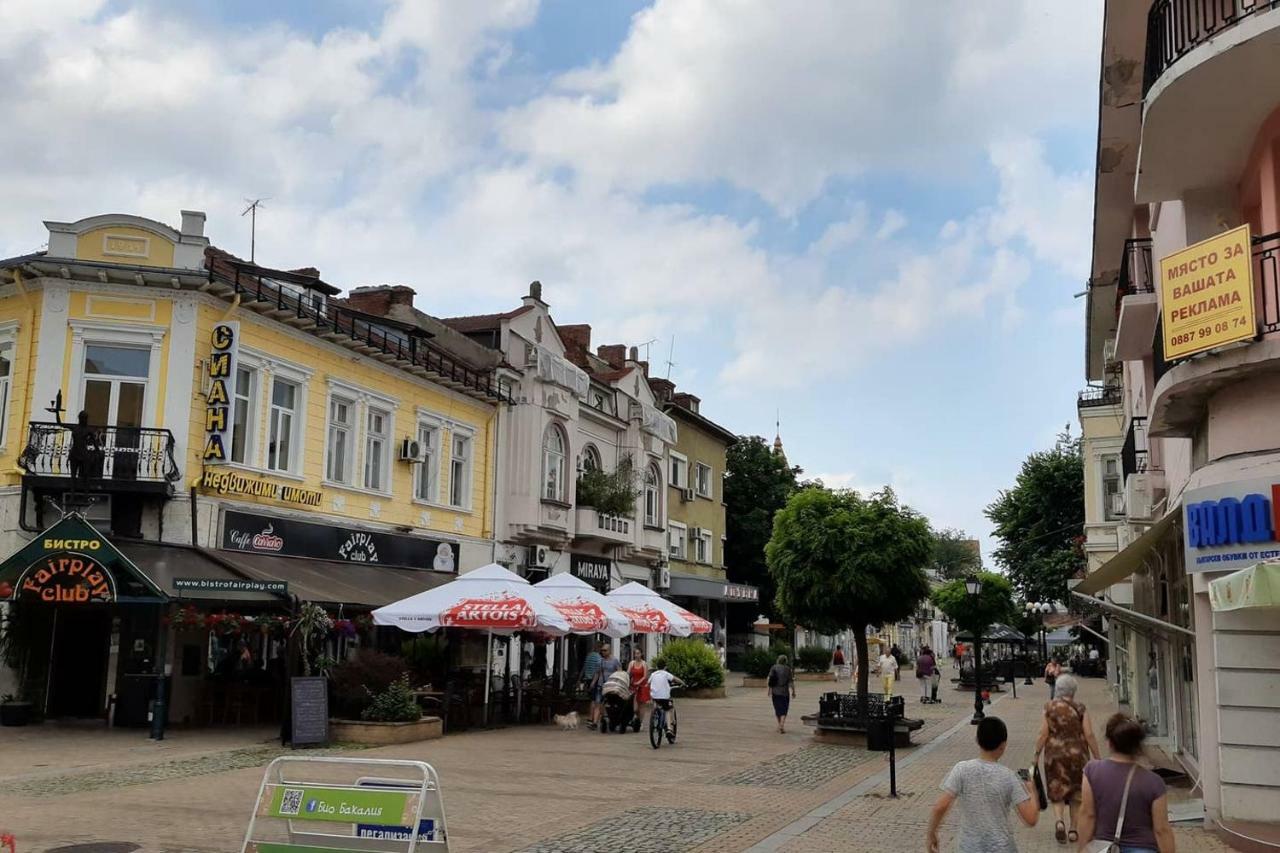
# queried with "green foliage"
point(813, 659)
point(426, 655)
point(692, 661)
point(994, 602)
point(396, 704)
point(352, 682)
point(756, 662)
point(757, 484)
point(954, 555)
point(1039, 522)
point(843, 561)
point(311, 627)
point(609, 493)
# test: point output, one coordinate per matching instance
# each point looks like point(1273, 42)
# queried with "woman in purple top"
point(1146, 816)
point(926, 663)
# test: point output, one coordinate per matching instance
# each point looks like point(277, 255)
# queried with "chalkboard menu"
point(310, 710)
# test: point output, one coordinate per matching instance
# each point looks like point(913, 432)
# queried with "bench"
point(842, 714)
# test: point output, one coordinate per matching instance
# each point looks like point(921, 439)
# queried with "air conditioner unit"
point(410, 451)
point(1117, 503)
point(686, 494)
point(1109, 351)
point(540, 557)
point(695, 532)
point(662, 579)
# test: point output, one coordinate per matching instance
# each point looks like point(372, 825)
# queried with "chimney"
point(378, 300)
point(192, 223)
point(687, 401)
point(310, 272)
point(614, 354)
point(535, 295)
point(577, 341)
point(633, 354)
point(663, 389)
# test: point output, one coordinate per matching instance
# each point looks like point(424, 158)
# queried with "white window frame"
point(704, 540)
point(677, 532)
point(350, 428)
point(293, 462)
point(250, 416)
point(678, 473)
point(430, 466)
point(589, 450)
point(266, 368)
point(459, 431)
point(387, 439)
point(1107, 513)
point(562, 488)
point(140, 335)
point(654, 518)
point(9, 341)
point(697, 480)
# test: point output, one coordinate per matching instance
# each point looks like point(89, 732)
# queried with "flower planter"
point(703, 693)
point(15, 713)
point(383, 734)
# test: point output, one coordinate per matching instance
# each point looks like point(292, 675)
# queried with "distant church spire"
point(777, 435)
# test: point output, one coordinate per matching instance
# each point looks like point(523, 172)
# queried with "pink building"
point(1187, 349)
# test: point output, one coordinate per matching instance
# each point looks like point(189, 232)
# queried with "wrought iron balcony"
point(1135, 456)
point(104, 458)
point(1136, 269)
point(1266, 271)
point(1100, 395)
point(1177, 27)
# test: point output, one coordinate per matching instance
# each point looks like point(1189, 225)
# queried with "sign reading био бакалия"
point(1206, 294)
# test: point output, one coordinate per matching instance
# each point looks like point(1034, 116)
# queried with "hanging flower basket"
point(186, 617)
point(344, 628)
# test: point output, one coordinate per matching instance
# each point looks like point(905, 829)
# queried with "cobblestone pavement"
point(729, 783)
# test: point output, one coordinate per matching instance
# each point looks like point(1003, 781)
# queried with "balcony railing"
point(1266, 270)
point(257, 284)
point(1136, 269)
point(1098, 395)
point(115, 455)
point(1177, 27)
point(1135, 456)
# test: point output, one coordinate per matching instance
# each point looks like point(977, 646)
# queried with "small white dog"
point(566, 722)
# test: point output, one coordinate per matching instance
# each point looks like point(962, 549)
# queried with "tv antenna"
point(252, 212)
point(671, 351)
point(647, 344)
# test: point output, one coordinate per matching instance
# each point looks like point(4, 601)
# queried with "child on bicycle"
point(660, 684)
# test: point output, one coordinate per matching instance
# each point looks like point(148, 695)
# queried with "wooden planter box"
point(748, 681)
point(382, 734)
point(703, 693)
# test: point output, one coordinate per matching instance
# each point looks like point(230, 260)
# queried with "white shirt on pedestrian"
point(660, 685)
point(888, 664)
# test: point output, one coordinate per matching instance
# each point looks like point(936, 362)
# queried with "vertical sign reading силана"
point(1206, 294)
point(217, 402)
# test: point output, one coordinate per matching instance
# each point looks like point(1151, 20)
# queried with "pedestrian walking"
point(720, 653)
point(926, 666)
point(888, 672)
point(1122, 803)
point(608, 666)
point(958, 654)
point(986, 792)
point(837, 657)
point(587, 678)
point(1052, 670)
point(1066, 740)
point(638, 672)
point(781, 687)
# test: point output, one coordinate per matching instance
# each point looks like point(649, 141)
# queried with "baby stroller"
point(617, 712)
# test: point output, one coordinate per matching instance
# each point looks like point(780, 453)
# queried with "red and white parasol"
point(588, 611)
point(487, 599)
point(650, 613)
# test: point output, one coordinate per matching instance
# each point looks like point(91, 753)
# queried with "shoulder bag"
point(1042, 797)
point(1114, 846)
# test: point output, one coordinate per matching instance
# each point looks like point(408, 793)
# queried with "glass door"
point(114, 395)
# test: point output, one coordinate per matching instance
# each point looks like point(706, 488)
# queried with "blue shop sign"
point(1231, 525)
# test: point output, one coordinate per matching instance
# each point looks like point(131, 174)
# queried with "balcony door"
point(114, 394)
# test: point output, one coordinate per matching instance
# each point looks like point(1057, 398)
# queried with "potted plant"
point(14, 711)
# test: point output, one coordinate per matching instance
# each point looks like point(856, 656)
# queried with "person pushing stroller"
point(618, 708)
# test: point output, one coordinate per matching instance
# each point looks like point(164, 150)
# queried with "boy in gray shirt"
point(986, 790)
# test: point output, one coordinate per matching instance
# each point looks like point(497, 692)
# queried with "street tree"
point(954, 554)
point(840, 560)
point(993, 604)
point(1040, 520)
point(757, 483)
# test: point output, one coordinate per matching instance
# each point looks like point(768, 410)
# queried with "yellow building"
point(307, 449)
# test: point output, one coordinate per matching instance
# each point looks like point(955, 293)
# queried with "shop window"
point(426, 478)
point(376, 442)
point(459, 470)
point(281, 450)
point(242, 416)
point(338, 441)
point(554, 447)
point(652, 493)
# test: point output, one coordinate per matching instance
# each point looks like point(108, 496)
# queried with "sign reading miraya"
point(217, 402)
point(1206, 293)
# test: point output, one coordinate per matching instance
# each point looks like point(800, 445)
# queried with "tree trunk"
point(864, 665)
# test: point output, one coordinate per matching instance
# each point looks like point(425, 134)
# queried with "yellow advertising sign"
point(1206, 294)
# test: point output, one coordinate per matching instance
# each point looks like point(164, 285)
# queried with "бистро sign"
point(1206, 294)
point(225, 342)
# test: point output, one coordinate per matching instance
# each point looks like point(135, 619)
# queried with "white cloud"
point(893, 222)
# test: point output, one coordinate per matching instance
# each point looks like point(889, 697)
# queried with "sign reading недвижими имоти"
point(1206, 294)
point(225, 342)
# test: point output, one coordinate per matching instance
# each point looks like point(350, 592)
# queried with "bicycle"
point(662, 721)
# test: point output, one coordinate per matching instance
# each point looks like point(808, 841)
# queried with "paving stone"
point(804, 768)
point(648, 829)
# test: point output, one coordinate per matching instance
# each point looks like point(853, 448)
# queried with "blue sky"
point(868, 218)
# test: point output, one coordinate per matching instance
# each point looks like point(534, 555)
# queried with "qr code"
point(291, 801)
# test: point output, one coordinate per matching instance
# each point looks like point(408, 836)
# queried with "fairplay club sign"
point(73, 564)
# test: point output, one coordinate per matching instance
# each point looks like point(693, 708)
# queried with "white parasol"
point(487, 599)
point(653, 614)
point(588, 611)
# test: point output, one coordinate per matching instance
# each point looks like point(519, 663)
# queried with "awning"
point(695, 586)
point(335, 581)
point(996, 633)
point(1133, 617)
point(1128, 561)
point(166, 564)
point(1256, 586)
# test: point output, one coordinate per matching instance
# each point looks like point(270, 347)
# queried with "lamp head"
point(973, 585)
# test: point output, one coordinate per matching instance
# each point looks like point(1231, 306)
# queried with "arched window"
point(652, 496)
point(554, 446)
point(591, 458)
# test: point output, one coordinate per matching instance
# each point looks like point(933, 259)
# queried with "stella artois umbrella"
point(650, 613)
point(588, 611)
point(487, 599)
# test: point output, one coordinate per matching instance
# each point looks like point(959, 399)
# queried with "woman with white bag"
point(1124, 807)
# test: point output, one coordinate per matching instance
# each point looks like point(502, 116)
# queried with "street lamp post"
point(973, 586)
point(1038, 609)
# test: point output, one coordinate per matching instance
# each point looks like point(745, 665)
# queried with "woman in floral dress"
point(1067, 742)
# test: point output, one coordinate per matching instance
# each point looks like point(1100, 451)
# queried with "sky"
point(867, 219)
